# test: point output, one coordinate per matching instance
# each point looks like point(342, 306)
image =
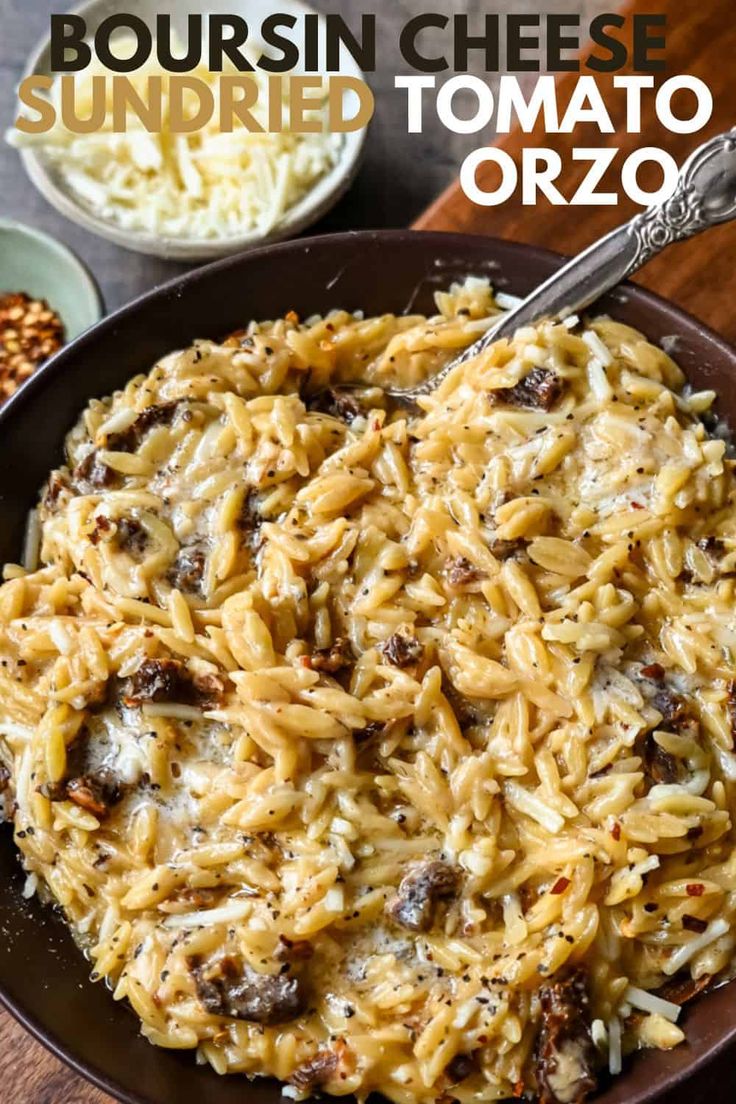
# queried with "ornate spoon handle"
point(705, 196)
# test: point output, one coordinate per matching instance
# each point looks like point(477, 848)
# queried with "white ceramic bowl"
point(311, 207)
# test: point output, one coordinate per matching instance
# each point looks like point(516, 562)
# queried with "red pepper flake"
point(653, 671)
point(306, 661)
point(693, 923)
point(637, 506)
point(560, 886)
point(695, 889)
point(30, 332)
point(616, 831)
point(519, 1089)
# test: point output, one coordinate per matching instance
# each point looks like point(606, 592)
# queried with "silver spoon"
point(705, 196)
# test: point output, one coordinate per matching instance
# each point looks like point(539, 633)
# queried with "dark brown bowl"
point(44, 981)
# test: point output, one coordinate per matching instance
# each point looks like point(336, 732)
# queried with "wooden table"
point(702, 40)
point(698, 274)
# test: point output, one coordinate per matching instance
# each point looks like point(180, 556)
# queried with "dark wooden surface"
point(699, 274)
point(400, 177)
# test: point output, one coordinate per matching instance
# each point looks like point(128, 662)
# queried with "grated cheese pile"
point(205, 185)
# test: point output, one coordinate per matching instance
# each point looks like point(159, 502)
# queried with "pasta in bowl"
point(386, 750)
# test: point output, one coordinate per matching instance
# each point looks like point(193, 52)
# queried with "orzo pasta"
point(379, 749)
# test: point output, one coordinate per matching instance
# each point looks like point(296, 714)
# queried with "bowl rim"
point(320, 198)
point(56, 364)
point(83, 274)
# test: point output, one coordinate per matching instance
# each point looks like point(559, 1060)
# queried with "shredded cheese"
point(689, 950)
point(650, 1002)
point(206, 185)
point(615, 1057)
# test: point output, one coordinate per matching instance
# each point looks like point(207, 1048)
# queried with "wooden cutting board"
point(699, 276)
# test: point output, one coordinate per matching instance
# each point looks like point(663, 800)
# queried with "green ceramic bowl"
point(33, 262)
